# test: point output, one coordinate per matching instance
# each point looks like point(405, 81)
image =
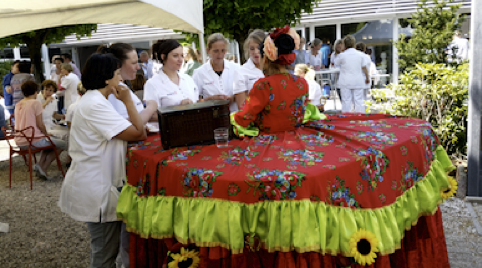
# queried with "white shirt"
point(48, 111)
point(351, 62)
point(210, 83)
point(98, 161)
point(120, 107)
point(147, 68)
point(314, 92)
point(70, 113)
point(69, 82)
point(54, 77)
point(165, 93)
point(245, 77)
point(315, 60)
point(461, 47)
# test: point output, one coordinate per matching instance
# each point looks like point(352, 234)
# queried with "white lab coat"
point(165, 93)
point(89, 191)
point(210, 83)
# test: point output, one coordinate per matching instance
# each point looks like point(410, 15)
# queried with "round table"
point(295, 198)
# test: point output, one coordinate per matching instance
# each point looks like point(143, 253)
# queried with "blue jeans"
point(60, 144)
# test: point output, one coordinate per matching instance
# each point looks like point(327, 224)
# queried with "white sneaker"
point(41, 173)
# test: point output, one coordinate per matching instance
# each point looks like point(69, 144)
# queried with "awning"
point(28, 15)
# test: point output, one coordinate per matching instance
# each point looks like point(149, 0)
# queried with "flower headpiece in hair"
point(270, 50)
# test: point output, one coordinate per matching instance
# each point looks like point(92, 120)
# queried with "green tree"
point(433, 29)
point(35, 39)
point(235, 18)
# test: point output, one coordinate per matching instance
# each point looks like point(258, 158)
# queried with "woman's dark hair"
point(119, 50)
point(98, 69)
point(24, 67)
point(163, 47)
point(29, 88)
point(60, 59)
point(138, 83)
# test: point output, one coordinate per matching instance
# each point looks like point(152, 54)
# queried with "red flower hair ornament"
point(278, 46)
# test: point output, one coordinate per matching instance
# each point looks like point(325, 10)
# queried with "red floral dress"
point(276, 103)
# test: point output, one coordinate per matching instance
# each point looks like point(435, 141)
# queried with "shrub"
point(438, 94)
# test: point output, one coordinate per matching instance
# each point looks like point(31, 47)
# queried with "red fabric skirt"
point(423, 247)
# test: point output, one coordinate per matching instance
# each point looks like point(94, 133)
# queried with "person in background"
point(138, 85)
point(325, 51)
point(214, 79)
point(360, 46)
point(315, 94)
point(18, 79)
point(68, 85)
point(98, 147)
point(127, 54)
point(28, 113)
point(53, 68)
point(199, 56)
point(315, 55)
point(354, 76)
point(373, 69)
point(339, 47)
point(301, 53)
point(68, 59)
point(170, 87)
point(250, 72)
point(3, 123)
point(146, 64)
point(459, 47)
point(55, 75)
point(191, 61)
point(49, 104)
point(69, 117)
point(7, 89)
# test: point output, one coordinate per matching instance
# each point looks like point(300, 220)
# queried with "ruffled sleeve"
point(312, 113)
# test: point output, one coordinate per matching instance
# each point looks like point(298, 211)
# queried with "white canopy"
point(19, 16)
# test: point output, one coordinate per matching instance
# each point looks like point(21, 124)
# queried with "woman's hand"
point(49, 99)
point(122, 93)
point(186, 101)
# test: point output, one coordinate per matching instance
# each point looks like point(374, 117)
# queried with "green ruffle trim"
point(282, 225)
point(311, 113)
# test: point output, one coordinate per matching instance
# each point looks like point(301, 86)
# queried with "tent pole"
point(203, 47)
point(474, 151)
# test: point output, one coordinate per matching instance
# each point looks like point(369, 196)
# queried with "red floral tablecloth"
point(301, 191)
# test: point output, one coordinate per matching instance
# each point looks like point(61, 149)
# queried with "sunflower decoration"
point(451, 191)
point(184, 259)
point(363, 245)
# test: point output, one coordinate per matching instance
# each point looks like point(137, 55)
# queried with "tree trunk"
point(35, 53)
point(34, 45)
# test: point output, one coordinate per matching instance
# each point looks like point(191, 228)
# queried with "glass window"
point(6, 53)
point(24, 53)
point(327, 34)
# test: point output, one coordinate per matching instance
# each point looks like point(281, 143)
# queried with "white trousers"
point(353, 97)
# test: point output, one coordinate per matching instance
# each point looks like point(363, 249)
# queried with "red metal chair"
point(10, 135)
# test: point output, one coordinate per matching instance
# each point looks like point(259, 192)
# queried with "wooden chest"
point(192, 124)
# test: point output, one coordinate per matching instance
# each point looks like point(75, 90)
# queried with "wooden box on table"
point(192, 124)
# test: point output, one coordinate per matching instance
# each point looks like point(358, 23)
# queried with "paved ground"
point(41, 236)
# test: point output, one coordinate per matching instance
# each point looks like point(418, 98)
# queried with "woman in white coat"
point(98, 147)
point(354, 77)
point(169, 87)
point(250, 72)
point(68, 85)
point(214, 79)
point(128, 56)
